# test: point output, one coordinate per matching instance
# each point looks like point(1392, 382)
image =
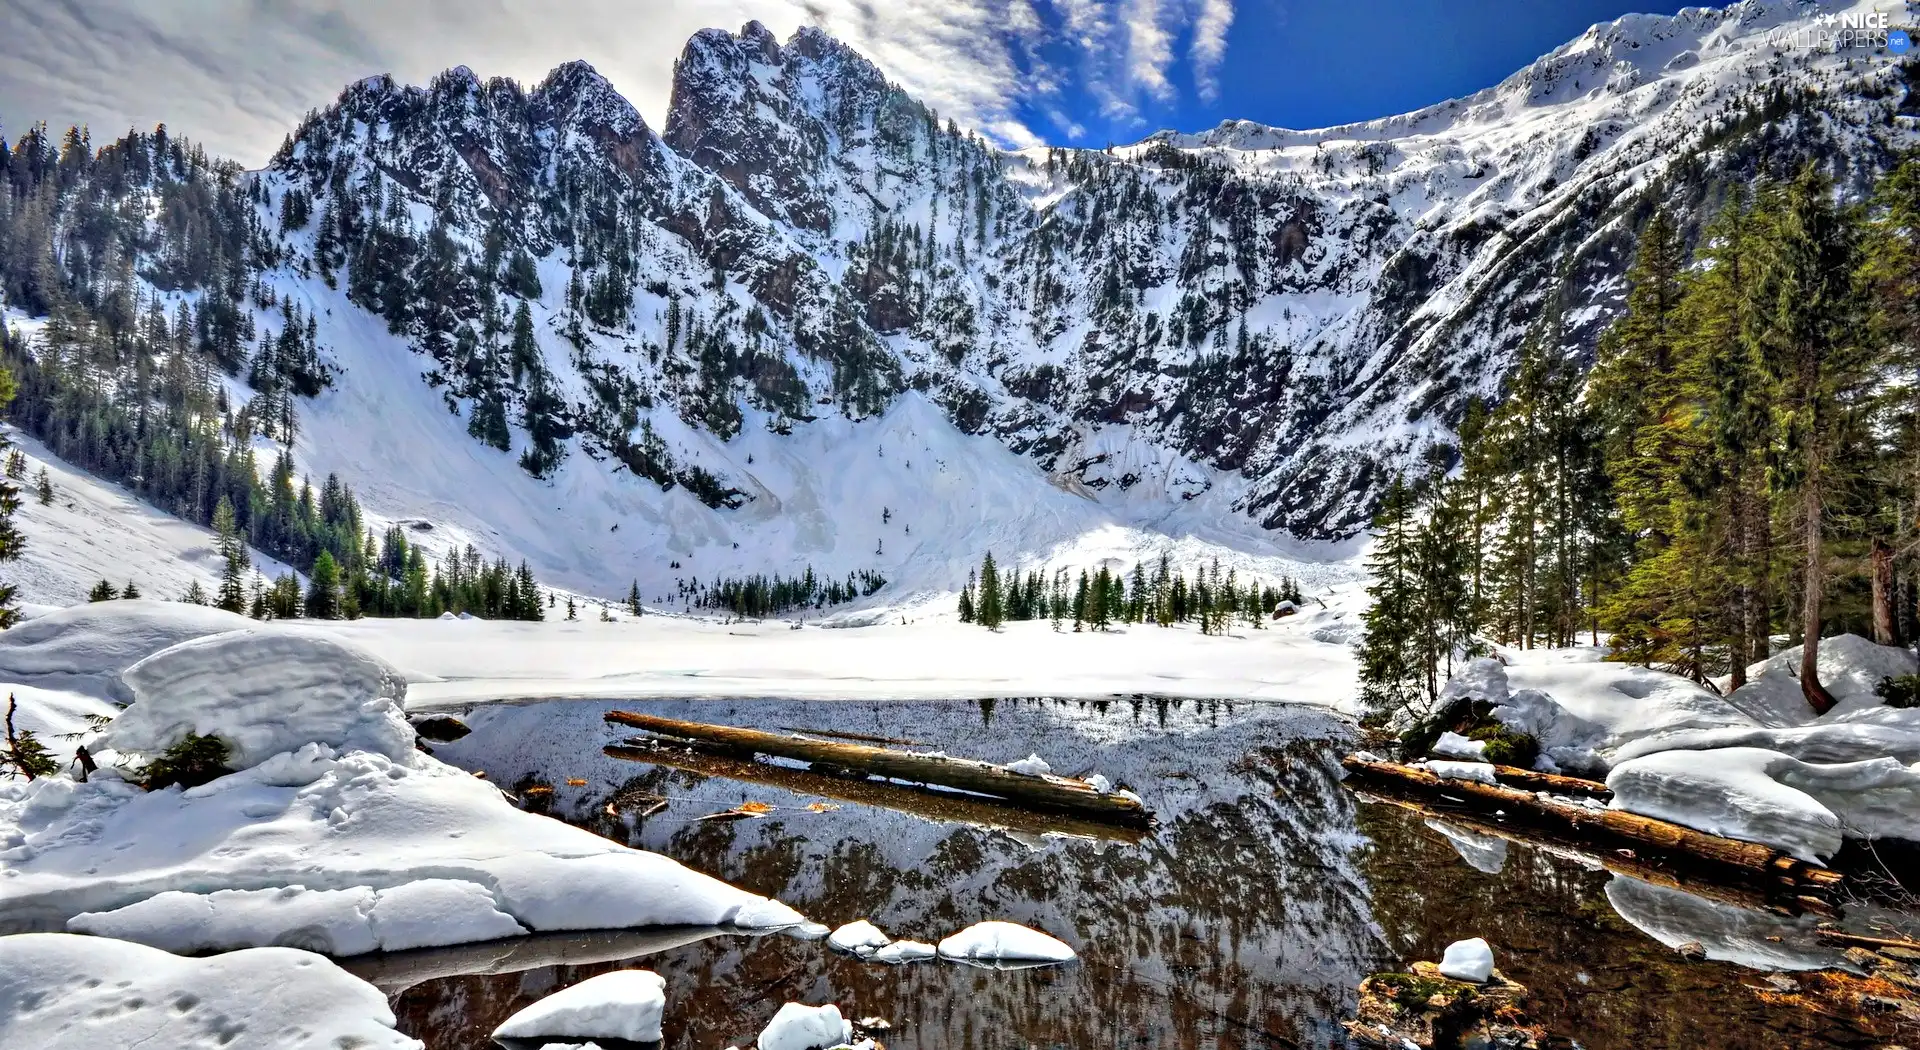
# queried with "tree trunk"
point(1813, 586)
point(1882, 561)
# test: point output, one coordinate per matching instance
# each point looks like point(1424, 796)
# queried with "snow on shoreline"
point(58, 990)
point(350, 842)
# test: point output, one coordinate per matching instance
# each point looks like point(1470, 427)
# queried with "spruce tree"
point(43, 487)
point(1390, 679)
point(235, 562)
point(967, 610)
point(633, 599)
point(195, 595)
point(323, 589)
point(130, 592)
point(102, 592)
point(991, 609)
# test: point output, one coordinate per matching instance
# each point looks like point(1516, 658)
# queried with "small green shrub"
point(1505, 747)
point(189, 763)
point(1901, 691)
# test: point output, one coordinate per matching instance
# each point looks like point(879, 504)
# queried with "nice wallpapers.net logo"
point(1839, 32)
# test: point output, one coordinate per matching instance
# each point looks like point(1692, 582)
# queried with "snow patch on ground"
point(58, 990)
point(85, 648)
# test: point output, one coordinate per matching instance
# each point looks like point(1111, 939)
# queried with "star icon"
point(1829, 19)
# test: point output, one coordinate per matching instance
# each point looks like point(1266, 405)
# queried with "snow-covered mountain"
point(809, 315)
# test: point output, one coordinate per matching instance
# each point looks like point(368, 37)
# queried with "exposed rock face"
point(1297, 315)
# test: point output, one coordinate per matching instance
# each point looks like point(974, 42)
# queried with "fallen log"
point(1552, 783)
point(1649, 869)
point(1048, 792)
point(1608, 828)
point(926, 803)
point(864, 738)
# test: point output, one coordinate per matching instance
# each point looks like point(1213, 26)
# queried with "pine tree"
point(235, 562)
point(991, 610)
point(572, 612)
point(130, 592)
point(196, 594)
point(43, 487)
point(633, 599)
point(1390, 679)
point(323, 589)
point(967, 609)
point(12, 543)
point(102, 592)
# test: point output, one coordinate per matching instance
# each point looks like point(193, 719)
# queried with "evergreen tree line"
point(762, 595)
point(1742, 462)
point(1098, 600)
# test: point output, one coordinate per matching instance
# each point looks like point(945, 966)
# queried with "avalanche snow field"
point(455, 662)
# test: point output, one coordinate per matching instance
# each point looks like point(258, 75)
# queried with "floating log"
point(926, 803)
point(1048, 792)
point(1608, 828)
point(1911, 949)
point(1646, 868)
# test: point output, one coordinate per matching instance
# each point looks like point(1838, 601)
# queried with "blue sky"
point(1316, 63)
point(236, 74)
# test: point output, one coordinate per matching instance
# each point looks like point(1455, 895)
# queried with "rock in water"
point(801, 1027)
point(992, 943)
point(624, 1004)
point(1470, 960)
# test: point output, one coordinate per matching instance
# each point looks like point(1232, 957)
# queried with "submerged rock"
point(1426, 1010)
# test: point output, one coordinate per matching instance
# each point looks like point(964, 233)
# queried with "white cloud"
point(237, 74)
point(1209, 46)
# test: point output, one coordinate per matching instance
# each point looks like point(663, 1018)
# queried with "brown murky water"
point(1245, 919)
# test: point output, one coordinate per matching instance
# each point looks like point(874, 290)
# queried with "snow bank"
point(351, 852)
point(799, 1027)
point(993, 942)
point(1851, 668)
point(1804, 808)
point(264, 691)
point(428, 913)
point(58, 990)
point(85, 648)
point(859, 937)
point(1469, 960)
point(624, 1004)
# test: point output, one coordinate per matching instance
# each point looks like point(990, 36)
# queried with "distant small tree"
point(102, 592)
point(196, 594)
point(43, 487)
point(130, 592)
point(990, 610)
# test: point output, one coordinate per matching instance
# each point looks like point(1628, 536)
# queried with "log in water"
point(1047, 792)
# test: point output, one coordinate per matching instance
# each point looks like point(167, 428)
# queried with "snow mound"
point(799, 1027)
point(58, 990)
point(905, 952)
point(1032, 765)
point(264, 691)
point(1453, 745)
point(1469, 960)
point(1851, 668)
point(84, 648)
point(624, 1004)
point(994, 942)
point(1804, 808)
point(1480, 772)
point(428, 913)
point(1100, 783)
point(859, 937)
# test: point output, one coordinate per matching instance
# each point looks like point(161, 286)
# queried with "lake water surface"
point(1246, 918)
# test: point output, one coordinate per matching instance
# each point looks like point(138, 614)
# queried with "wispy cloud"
point(236, 74)
point(1209, 46)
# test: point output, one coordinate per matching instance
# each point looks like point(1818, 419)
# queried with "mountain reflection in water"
point(1245, 919)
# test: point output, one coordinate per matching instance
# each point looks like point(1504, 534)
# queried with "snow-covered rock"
point(1453, 745)
point(859, 937)
point(800, 1027)
point(995, 942)
point(1468, 960)
point(264, 691)
point(905, 952)
point(1803, 808)
point(1100, 783)
point(85, 648)
point(59, 991)
point(1032, 765)
point(1480, 772)
point(624, 1004)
